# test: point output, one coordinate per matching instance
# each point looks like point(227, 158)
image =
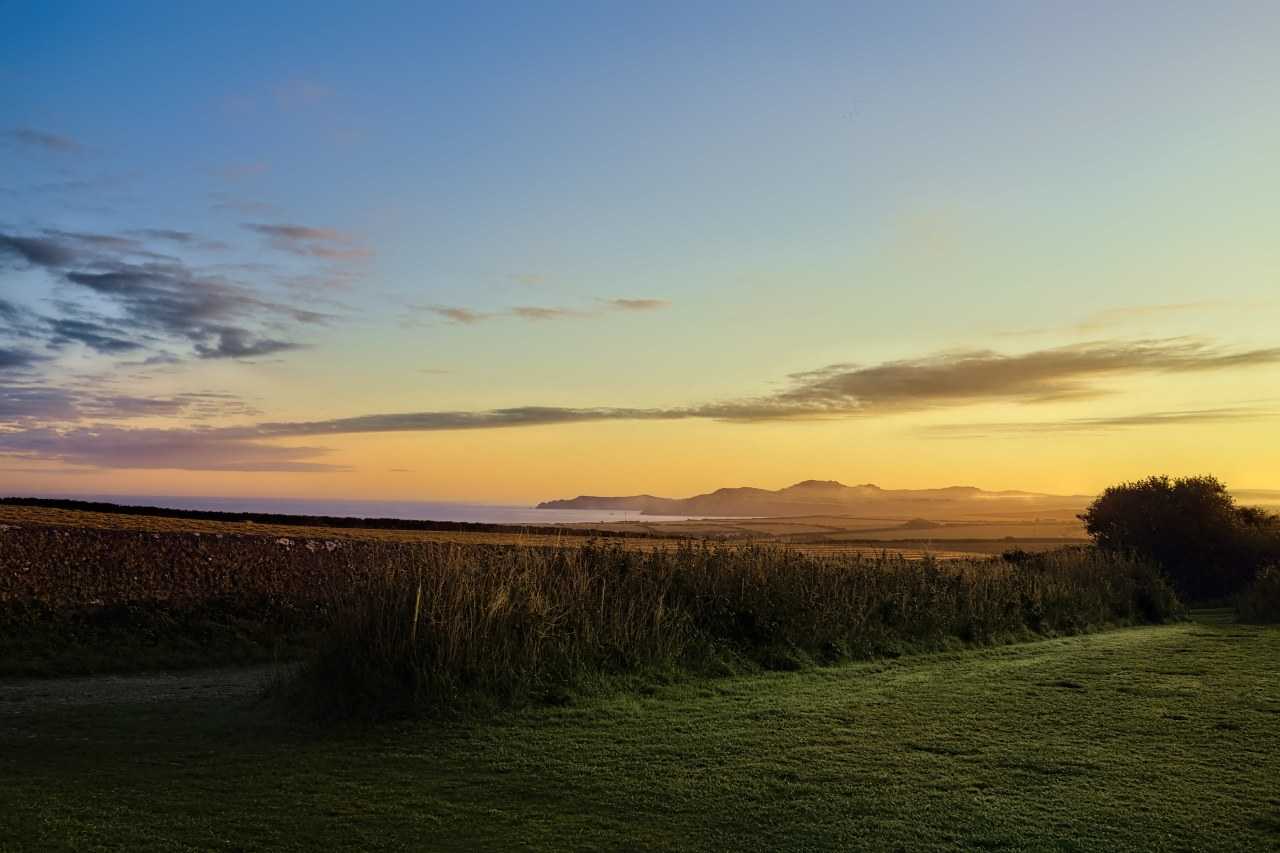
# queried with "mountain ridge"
point(822, 497)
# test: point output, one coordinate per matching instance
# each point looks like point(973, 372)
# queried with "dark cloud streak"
point(157, 296)
point(44, 140)
point(310, 242)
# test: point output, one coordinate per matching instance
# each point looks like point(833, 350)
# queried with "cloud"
point(93, 335)
point(848, 391)
point(237, 343)
point(21, 403)
point(37, 251)
point(108, 242)
point(534, 312)
point(10, 313)
point(245, 206)
point(1061, 373)
point(471, 316)
point(184, 237)
point(171, 300)
point(11, 358)
point(842, 390)
point(517, 416)
point(44, 140)
point(1103, 424)
point(308, 241)
point(1112, 317)
point(1127, 315)
point(155, 297)
point(40, 405)
point(465, 316)
point(187, 450)
point(297, 232)
point(636, 304)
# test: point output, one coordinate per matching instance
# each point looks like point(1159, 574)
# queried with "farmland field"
point(1154, 738)
point(851, 529)
point(88, 592)
point(817, 535)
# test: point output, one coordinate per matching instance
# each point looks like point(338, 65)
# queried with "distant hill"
point(828, 497)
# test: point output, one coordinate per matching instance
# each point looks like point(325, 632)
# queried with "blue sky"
point(421, 208)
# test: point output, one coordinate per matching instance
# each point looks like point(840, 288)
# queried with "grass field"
point(1160, 738)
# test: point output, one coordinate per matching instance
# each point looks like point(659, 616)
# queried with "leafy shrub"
point(1209, 547)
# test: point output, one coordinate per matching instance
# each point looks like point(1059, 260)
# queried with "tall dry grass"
point(1259, 603)
point(501, 625)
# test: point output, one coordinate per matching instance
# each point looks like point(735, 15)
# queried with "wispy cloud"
point(621, 304)
point(44, 140)
point(1112, 317)
point(472, 316)
point(1104, 424)
point(535, 312)
point(1060, 373)
point(230, 342)
point(185, 450)
point(310, 241)
point(184, 239)
point(36, 251)
point(1131, 315)
point(12, 358)
point(156, 297)
point(844, 391)
point(96, 336)
point(245, 206)
point(463, 316)
point(34, 405)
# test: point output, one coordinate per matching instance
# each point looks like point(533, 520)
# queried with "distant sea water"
point(415, 510)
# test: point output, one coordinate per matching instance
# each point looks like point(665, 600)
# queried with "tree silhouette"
point(1209, 547)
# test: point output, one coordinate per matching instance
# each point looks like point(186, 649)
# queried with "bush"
point(509, 625)
point(1191, 527)
point(1261, 601)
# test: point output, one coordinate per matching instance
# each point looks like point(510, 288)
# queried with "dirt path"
point(31, 695)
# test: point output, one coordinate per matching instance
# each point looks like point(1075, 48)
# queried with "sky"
point(511, 253)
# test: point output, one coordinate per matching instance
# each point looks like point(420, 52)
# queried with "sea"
point(416, 510)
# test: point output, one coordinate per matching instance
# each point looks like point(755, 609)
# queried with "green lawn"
point(1162, 738)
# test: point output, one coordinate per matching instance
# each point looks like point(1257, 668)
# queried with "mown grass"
point(1154, 738)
